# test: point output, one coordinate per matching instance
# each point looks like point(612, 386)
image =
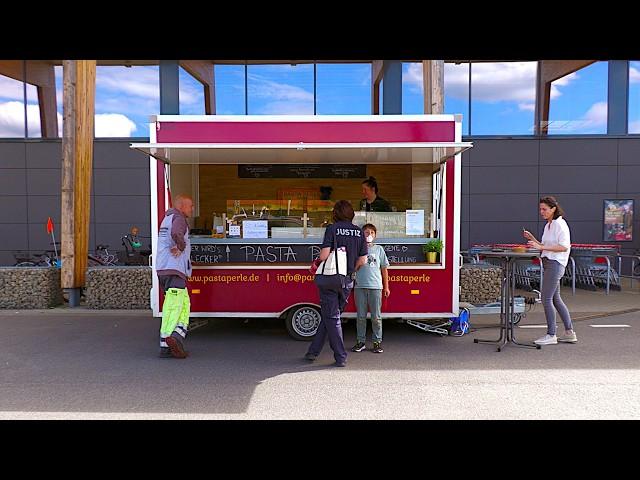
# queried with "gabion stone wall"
point(122, 288)
point(30, 287)
point(480, 283)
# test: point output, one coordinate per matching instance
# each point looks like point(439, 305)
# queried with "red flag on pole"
point(49, 226)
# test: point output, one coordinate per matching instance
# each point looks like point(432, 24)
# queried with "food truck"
point(264, 189)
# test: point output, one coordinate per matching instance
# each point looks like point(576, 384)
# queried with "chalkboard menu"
point(302, 171)
point(210, 254)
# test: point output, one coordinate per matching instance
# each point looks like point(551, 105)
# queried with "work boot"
point(165, 352)
point(176, 345)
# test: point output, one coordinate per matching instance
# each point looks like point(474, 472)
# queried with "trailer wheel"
point(302, 322)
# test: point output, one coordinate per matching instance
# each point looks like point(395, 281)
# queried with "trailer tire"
point(302, 322)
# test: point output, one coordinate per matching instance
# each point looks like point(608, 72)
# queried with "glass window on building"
point(579, 102)
point(125, 98)
point(412, 89)
point(503, 97)
point(191, 94)
point(230, 89)
point(343, 89)
point(634, 97)
point(12, 113)
point(280, 89)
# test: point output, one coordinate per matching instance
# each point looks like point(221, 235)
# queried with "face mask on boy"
point(370, 239)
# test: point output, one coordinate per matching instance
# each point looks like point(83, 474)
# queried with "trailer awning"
point(302, 153)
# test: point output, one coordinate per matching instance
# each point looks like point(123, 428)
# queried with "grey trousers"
point(553, 272)
point(368, 299)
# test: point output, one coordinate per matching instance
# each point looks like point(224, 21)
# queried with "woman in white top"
point(555, 247)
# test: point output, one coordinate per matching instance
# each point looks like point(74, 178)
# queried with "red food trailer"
point(257, 183)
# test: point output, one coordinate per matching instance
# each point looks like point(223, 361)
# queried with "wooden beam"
point(48, 106)
point(77, 156)
point(548, 72)
point(202, 71)
point(377, 72)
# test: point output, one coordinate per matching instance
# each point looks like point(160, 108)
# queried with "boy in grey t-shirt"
point(372, 281)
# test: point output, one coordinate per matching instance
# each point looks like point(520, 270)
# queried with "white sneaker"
point(547, 340)
point(568, 338)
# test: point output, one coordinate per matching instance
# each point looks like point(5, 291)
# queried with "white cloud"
point(131, 81)
point(596, 116)
point(634, 75)
point(113, 125)
point(260, 87)
point(592, 121)
point(12, 120)
point(528, 107)
point(287, 108)
point(634, 127)
point(491, 82)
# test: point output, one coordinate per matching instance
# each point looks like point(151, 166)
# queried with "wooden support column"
point(421, 174)
point(79, 79)
point(377, 70)
point(203, 72)
point(48, 106)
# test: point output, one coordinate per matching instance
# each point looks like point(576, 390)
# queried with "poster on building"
point(618, 220)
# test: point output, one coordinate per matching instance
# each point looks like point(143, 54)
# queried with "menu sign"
point(302, 171)
point(268, 253)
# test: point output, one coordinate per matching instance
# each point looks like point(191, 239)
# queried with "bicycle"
point(103, 256)
point(25, 259)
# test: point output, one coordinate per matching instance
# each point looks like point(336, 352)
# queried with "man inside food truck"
point(173, 266)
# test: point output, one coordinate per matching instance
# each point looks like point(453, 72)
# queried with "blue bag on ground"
point(460, 324)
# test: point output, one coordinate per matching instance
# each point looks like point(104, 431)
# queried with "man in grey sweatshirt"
point(173, 266)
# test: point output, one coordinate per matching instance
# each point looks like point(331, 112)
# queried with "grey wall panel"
point(13, 182)
point(47, 154)
point(13, 209)
point(583, 207)
point(43, 206)
point(504, 152)
point(499, 232)
point(6, 258)
point(118, 155)
point(499, 207)
point(503, 180)
point(556, 180)
point(44, 181)
point(586, 232)
point(40, 240)
point(110, 181)
point(464, 210)
point(588, 151)
point(14, 236)
point(466, 156)
point(464, 236)
point(629, 179)
point(12, 155)
point(465, 181)
point(123, 209)
point(629, 151)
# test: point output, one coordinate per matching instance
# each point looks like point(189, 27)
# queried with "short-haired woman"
point(335, 289)
point(555, 247)
point(372, 202)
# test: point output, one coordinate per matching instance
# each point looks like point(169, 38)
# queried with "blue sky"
point(502, 96)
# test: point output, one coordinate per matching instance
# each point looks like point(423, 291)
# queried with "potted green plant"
point(432, 249)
